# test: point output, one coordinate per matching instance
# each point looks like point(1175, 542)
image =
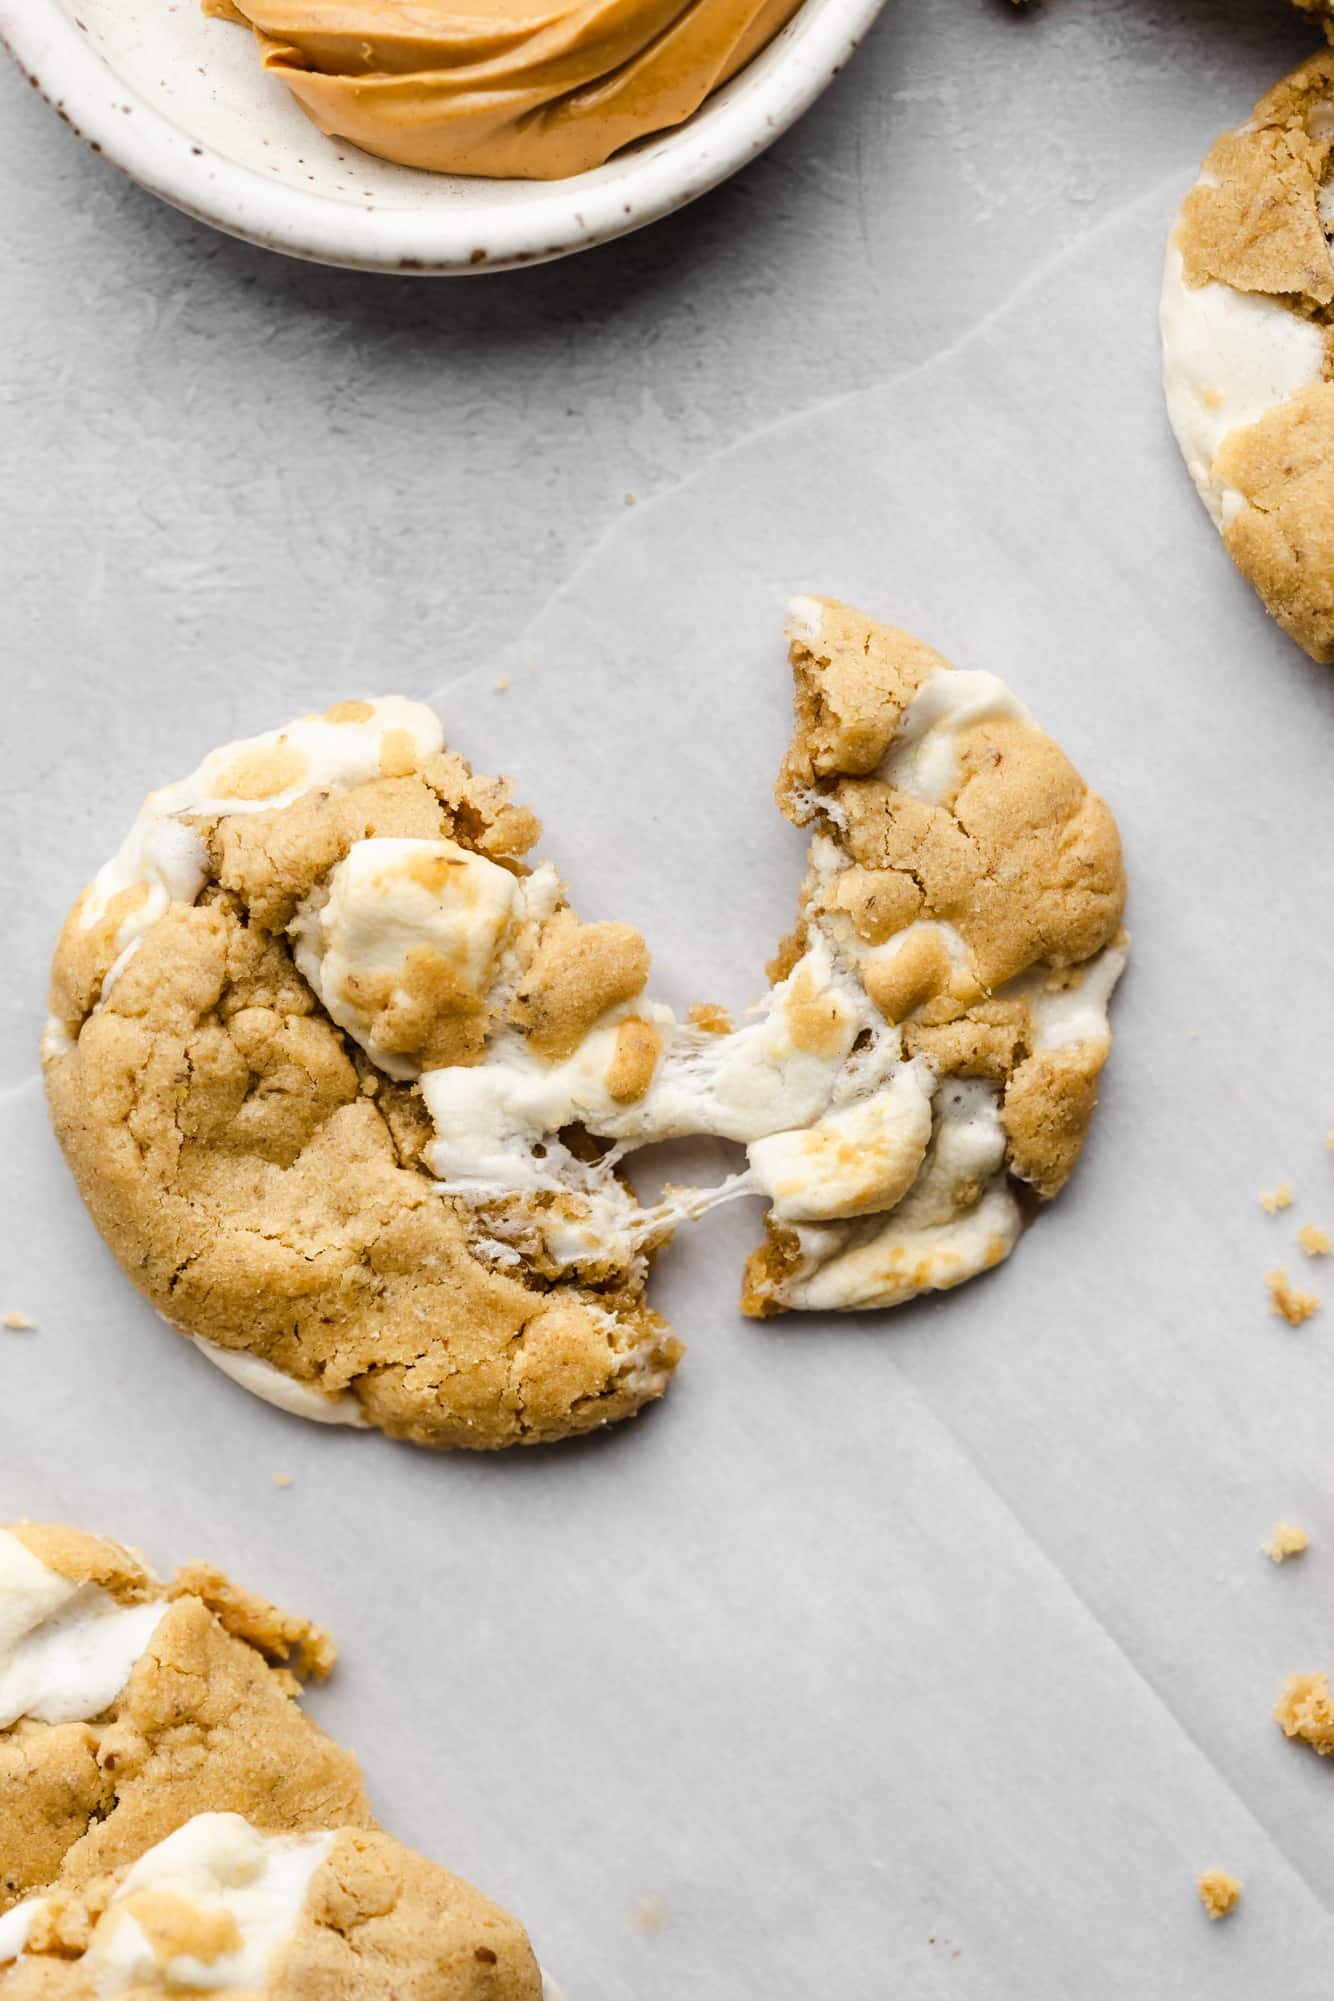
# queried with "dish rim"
point(466, 234)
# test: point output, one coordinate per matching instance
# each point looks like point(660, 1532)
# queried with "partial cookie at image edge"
point(1245, 317)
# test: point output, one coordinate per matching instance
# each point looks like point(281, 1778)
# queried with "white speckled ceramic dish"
point(181, 103)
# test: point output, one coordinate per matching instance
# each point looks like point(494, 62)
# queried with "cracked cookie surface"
point(250, 1141)
point(128, 1705)
point(931, 1043)
point(1247, 311)
point(350, 1089)
point(224, 1907)
point(963, 877)
point(170, 1821)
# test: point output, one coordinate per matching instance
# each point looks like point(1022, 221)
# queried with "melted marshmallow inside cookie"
point(270, 1385)
point(238, 1898)
point(16, 1927)
point(892, 1176)
point(162, 859)
point(639, 1076)
point(410, 945)
point(66, 1650)
point(923, 758)
point(212, 1908)
point(929, 1147)
point(406, 930)
point(957, 1218)
point(541, 1063)
point(1229, 357)
point(1249, 277)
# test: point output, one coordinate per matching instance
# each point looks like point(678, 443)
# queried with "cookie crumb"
point(502, 682)
point(1277, 1198)
point(629, 500)
point(1314, 1241)
point(714, 1020)
point(1287, 1540)
point(1290, 1304)
point(19, 1323)
point(1304, 1710)
point(648, 1917)
point(282, 1479)
point(1218, 1892)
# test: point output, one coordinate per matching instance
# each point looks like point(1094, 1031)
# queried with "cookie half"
point(965, 892)
point(128, 1705)
point(221, 1907)
point(1247, 303)
point(242, 1005)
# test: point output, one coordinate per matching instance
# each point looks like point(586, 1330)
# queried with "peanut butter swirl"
point(517, 89)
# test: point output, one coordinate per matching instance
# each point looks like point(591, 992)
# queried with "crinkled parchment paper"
point(928, 1654)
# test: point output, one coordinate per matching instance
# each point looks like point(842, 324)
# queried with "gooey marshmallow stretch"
point(930, 1044)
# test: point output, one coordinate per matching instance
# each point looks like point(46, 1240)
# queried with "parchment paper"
point(925, 1654)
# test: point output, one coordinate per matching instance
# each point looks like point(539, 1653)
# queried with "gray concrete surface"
point(235, 481)
point(237, 486)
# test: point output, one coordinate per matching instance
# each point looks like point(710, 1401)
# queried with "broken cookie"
point(350, 1089)
point(171, 1821)
point(928, 1054)
point(929, 1049)
point(241, 1005)
point(1246, 314)
point(966, 890)
point(127, 1705)
point(222, 1907)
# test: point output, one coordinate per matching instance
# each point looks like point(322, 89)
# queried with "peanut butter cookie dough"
point(220, 1906)
point(1247, 312)
point(128, 1705)
point(241, 1006)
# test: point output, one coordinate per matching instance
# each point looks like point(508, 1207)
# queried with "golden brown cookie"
point(962, 878)
point(1247, 307)
point(349, 1088)
point(241, 1004)
point(128, 1705)
point(223, 1907)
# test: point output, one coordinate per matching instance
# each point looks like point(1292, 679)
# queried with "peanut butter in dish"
point(519, 89)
